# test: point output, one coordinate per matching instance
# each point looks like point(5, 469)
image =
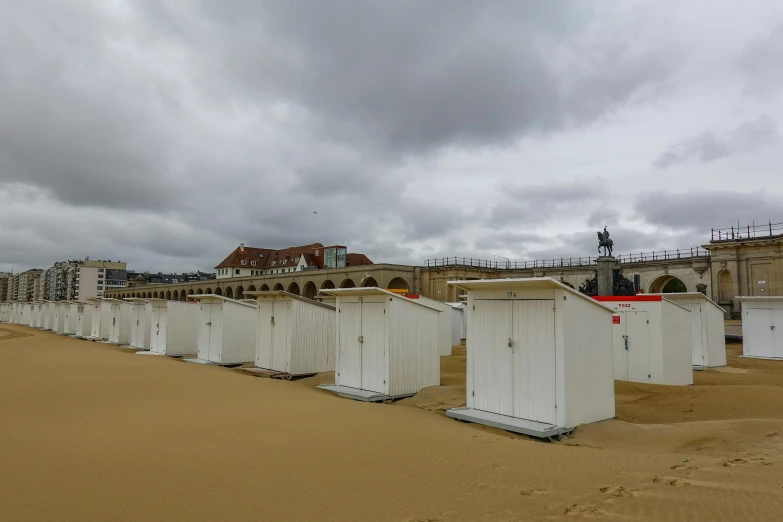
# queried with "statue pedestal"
point(606, 267)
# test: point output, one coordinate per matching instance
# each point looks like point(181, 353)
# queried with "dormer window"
point(252, 263)
point(274, 261)
point(244, 262)
point(285, 261)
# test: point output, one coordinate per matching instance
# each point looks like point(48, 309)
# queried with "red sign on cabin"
point(615, 319)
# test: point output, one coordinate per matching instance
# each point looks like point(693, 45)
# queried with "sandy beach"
point(89, 431)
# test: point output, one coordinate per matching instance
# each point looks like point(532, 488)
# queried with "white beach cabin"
point(101, 319)
point(3, 312)
point(84, 320)
point(444, 321)
point(38, 315)
point(120, 326)
point(140, 322)
point(458, 323)
point(387, 345)
point(539, 357)
point(62, 316)
point(762, 327)
point(652, 340)
point(27, 312)
point(227, 331)
point(72, 324)
point(49, 314)
point(708, 332)
point(174, 327)
point(295, 335)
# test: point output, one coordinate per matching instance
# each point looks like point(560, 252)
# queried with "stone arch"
point(251, 288)
point(175, 295)
point(208, 291)
point(348, 283)
point(309, 290)
point(278, 286)
point(666, 283)
point(293, 288)
point(190, 291)
point(200, 292)
point(218, 291)
point(168, 295)
point(398, 283)
point(155, 295)
point(326, 285)
point(369, 282)
point(264, 288)
point(182, 296)
point(229, 292)
point(240, 292)
point(725, 287)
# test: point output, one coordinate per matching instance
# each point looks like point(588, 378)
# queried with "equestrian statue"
point(605, 242)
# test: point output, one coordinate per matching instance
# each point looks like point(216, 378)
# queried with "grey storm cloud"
point(534, 204)
point(707, 210)
point(710, 146)
point(164, 133)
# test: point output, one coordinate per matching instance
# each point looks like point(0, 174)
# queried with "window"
point(252, 263)
point(237, 271)
point(273, 262)
point(285, 261)
point(244, 262)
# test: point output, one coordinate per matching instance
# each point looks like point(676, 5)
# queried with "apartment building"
point(93, 278)
point(251, 261)
point(22, 286)
point(4, 278)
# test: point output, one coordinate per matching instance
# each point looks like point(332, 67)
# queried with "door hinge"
point(473, 394)
point(360, 339)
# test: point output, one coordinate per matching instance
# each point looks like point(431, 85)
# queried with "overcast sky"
point(164, 133)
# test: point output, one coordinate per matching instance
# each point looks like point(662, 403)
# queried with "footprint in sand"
point(670, 481)
point(733, 462)
point(576, 509)
point(683, 467)
point(617, 492)
point(532, 492)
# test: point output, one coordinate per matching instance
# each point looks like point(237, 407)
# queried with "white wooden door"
point(373, 346)
point(533, 352)
point(619, 333)
point(162, 325)
point(492, 343)
point(216, 333)
point(638, 348)
point(280, 336)
point(759, 330)
point(349, 362)
point(266, 312)
point(698, 333)
point(204, 331)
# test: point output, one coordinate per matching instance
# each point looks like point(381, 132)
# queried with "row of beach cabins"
point(541, 358)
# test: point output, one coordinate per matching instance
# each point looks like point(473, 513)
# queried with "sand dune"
point(93, 432)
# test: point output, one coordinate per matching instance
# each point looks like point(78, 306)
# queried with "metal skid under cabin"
point(173, 327)
point(762, 327)
point(227, 331)
point(539, 357)
point(708, 331)
point(295, 335)
point(387, 345)
point(652, 340)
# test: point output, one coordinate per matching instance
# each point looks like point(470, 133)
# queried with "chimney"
point(241, 247)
